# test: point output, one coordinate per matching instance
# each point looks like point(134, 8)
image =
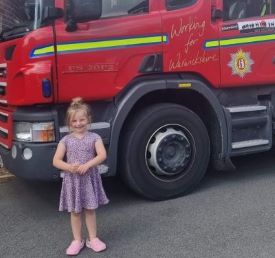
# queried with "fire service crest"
point(241, 63)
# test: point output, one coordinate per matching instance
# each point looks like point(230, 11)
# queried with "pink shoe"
point(96, 245)
point(75, 247)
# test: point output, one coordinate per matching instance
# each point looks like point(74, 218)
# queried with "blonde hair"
point(77, 104)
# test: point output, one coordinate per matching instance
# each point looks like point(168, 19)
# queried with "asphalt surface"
point(230, 214)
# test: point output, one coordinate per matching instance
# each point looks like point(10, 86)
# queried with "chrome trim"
point(4, 130)
point(249, 143)
point(239, 109)
point(102, 169)
point(4, 114)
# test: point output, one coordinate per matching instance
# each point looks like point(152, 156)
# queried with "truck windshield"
point(18, 17)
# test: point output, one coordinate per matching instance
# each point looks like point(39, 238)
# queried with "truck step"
point(243, 122)
point(249, 143)
point(251, 108)
point(249, 128)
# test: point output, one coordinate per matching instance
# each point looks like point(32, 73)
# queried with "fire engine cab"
point(174, 85)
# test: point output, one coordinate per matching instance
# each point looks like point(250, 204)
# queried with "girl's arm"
point(98, 159)
point(58, 161)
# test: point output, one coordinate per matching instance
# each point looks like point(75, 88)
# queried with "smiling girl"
point(82, 188)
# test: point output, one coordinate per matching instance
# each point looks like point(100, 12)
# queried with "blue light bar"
point(46, 88)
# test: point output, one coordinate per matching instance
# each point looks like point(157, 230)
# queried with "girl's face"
point(79, 122)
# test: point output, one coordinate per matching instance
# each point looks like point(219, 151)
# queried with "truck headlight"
point(34, 132)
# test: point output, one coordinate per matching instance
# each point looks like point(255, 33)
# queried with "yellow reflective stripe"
point(263, 38)
point(214, 43)
point(101, 44)
point(44, 50)
point(108, 43)
point(239, 41)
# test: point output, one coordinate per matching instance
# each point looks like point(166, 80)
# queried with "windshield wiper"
point(15, 30)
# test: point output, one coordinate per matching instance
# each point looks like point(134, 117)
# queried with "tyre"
point(165, 151)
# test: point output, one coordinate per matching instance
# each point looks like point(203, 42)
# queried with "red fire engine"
point(173, 84)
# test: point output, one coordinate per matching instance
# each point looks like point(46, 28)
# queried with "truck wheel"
point(165, 151)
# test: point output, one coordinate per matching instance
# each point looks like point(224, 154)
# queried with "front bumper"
point(38, 167)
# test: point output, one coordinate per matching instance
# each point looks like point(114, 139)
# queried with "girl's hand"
point(82, 169)
point(73, 168)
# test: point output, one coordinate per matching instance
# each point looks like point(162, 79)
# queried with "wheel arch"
point(169, 90)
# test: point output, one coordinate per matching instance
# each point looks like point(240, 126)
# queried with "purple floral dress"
point(81, 191)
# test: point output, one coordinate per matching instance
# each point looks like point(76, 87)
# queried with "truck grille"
point(5, 115)
point(6, 129)
point(3, 83)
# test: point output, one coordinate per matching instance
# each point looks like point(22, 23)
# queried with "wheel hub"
point(168, 152)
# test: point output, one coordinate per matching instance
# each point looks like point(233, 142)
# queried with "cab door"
point(188, 25)
point(247, 49)
point(99, 58)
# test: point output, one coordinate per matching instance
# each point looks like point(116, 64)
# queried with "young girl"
point(82, 186)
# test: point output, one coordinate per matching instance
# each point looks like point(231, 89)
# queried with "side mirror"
point(81, 11)
point(216, 14)
point(51, 13)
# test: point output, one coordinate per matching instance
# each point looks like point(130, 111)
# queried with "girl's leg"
point(94, 243)
point(77, 244)
point(76, 224)
point(90, 218)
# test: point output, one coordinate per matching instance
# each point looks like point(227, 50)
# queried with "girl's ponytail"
point(77, 102)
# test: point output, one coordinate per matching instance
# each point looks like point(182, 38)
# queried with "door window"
point(111, 8)
point(240, 9)
point(177, 4)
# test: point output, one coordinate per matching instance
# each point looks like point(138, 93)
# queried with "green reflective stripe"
point(239, 41)
point(92, 45)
